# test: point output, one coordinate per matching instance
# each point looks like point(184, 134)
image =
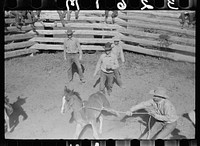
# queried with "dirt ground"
point(35, 85)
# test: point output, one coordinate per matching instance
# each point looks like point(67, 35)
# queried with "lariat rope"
point(115, 111)
point(112, 110)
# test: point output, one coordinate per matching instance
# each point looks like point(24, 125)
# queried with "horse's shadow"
point(17, 111)
point(74, 70)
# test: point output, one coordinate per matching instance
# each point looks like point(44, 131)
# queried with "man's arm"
point(141, 105)
point(98, 66)
point(122, 55)
point(79, 49)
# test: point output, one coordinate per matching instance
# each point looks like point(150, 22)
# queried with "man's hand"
point(129, 113)
point(152, 113)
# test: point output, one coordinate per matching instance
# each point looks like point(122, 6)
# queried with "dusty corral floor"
point(35, 87)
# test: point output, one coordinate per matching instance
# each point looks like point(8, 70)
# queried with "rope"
point(103, 108)
point(144, 113)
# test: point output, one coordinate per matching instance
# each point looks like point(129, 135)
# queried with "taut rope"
point(112, 110)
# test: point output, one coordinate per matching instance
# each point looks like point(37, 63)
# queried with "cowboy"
point(113, 15)
point(118, 51)
point(62, 16)
point(73, 6)
point(189, 17)
point(106, 63)
point(73, 52)
point(162, 111)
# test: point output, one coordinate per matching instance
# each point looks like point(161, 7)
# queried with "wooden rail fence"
point(139, 31)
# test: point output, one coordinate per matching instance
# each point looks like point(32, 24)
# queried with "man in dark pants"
point(162, 111)
point(73, 53)
point(107, 63)
point(62, 15)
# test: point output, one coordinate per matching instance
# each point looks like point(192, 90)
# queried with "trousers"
point(74, 58)
point(159, 129)
point(106, 77)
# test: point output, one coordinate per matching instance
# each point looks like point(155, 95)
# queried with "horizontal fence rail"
point(139, 32)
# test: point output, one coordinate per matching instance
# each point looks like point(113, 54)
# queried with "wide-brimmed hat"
point(69, 31)
point(116, 38)
point(160, 92)
point(108, 46)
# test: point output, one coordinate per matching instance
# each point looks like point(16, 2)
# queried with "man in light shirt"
point(107, 63)
point(73, 52)
point(162, 110)
point(118, 51)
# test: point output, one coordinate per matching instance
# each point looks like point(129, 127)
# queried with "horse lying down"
point(86, 112)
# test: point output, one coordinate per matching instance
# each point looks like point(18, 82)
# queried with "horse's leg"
point(63, 105)
point(101, 124)
point(95, 134)
point(79, 128)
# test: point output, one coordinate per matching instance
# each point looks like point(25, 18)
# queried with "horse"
point(86, 112)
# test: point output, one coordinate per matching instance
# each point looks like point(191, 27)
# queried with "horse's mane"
point(72, 92)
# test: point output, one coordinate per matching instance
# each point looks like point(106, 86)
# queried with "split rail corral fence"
point(139, 32)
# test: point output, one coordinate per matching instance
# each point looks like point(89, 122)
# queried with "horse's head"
point(71, 97)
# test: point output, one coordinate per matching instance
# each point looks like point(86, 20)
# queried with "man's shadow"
point(17, 111)
point(74, 70)
point(175, 134)
point(186, 115)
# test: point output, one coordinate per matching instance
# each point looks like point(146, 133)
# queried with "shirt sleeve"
point(78, 45)
point(142, 105)
point(64, 43)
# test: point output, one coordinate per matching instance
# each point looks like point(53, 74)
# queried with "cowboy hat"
point(108, 46)
point(69, 31)
point(116, 38)
point(160, 92)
